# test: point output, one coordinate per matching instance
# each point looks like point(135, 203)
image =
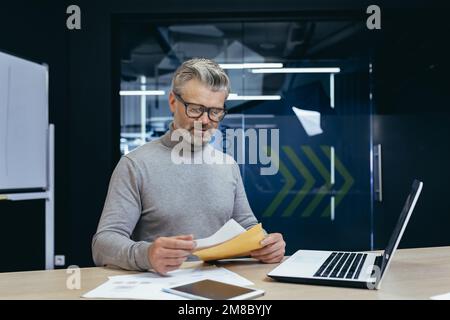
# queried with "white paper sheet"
point(228, 231)
point(191, 274)
point(149, 285)
point(310, 120)
point(130, 289)
point(445, 296)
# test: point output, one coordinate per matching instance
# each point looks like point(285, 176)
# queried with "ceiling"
point(156, 51)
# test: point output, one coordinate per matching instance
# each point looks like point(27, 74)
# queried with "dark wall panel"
point(36, 31)
point(412, 125)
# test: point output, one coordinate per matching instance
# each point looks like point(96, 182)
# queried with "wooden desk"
point(413, 274)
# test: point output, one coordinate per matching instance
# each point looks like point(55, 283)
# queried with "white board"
point(23, 124)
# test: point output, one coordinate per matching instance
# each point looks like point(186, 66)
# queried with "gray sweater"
point(150, 196)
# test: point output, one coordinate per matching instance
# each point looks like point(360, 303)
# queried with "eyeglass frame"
point(204, 108)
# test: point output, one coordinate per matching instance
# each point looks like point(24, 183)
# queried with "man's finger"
point(171, 243)
point(174, 253)
point(271, 256)
point(168, 269)
point(267, 250)
point(274, 260)
point(274, 257)
point(271, 238)
point(261, 251)
point(174, 261)
point(184, 237)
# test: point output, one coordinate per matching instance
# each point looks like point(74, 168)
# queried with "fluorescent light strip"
point(233, 96)
point(298, 70)
point(143, 99)
point(332, 90)
point(332, 174)
point(142, 92)
point(250, 65)
point(332, 208)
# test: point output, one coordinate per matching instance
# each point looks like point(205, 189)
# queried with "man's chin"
point(204, 136)
point(201, 140)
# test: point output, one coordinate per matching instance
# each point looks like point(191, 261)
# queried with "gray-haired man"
point(156, 207)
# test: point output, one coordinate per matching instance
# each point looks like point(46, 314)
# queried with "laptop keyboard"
point(344, 265)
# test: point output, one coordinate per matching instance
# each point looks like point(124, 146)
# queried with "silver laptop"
point(346, 269)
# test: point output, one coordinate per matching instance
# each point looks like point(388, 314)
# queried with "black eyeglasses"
point(195, 111)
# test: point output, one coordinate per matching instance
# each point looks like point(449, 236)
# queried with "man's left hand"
point(273, 249)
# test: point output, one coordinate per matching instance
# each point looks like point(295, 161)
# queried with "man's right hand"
point(168, 253)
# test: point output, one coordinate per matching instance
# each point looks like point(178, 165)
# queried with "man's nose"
point(205, 118)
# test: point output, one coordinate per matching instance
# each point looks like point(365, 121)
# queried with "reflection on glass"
point(295, 76)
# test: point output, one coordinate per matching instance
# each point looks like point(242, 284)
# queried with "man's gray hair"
point(204, 70)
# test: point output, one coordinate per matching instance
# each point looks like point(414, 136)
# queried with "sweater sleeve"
point(242, 212)
point(112, 243)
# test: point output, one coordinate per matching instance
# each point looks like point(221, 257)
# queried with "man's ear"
point(172, 101)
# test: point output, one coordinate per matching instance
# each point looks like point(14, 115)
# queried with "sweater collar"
point(166, 138)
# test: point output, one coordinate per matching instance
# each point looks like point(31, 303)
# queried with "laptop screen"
point(401, 224)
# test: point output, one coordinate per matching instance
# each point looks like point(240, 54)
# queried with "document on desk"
point(445, 296)
point(238, 246)
point(149, 285)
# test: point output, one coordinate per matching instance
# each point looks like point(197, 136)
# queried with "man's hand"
point(272, 250)
point(168, 253)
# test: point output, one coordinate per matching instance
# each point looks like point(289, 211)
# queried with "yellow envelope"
point(237, 247)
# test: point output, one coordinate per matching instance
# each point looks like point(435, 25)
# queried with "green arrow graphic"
point(348, 180)
point(323, 190)
point(309, 181)
point(290, 182)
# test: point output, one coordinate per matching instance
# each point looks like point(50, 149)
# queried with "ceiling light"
point(142, 92)
point(250, 65)
point(234, 96)
point(298, 70)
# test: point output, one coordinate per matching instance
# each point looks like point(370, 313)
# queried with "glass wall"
point(296, 80)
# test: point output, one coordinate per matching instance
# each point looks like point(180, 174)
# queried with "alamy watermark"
point(374, 20)
point(73, 21)
point(73, 281)
point(249, 146)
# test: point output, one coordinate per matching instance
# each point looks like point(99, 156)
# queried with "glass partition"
point(295, 86)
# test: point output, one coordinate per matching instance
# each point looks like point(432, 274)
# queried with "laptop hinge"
point(378, 261)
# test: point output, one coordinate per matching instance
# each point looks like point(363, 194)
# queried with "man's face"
point(195, 92)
